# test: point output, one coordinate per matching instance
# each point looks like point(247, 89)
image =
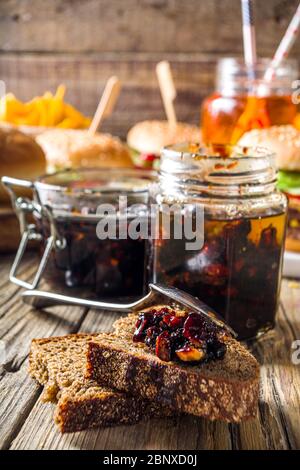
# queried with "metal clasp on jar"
point(24, 207)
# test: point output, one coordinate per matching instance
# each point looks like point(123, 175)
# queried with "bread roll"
point(10, 230)
point(284, 141)
point(20, 157)
point(77, 148)
point(149, 137)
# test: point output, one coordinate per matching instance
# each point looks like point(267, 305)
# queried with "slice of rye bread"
point(224, 389)
point(59, 364)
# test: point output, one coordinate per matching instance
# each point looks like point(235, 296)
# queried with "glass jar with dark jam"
point(237, 267)
point(82, 261)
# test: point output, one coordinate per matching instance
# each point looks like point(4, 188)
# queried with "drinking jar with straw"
point(252, 92)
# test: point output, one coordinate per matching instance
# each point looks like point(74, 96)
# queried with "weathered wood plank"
point(287, 381)
point(265, 432)
point(290, 295)
point(85, 76)
point(8, 291)
point(277, 425)
point(28, 75)
point(98, 320)
point(246, 436)
point(18, 393)
point(138, 25)
point(5, 266)
point(22, 323)
point(18, 325)
point(186, 433)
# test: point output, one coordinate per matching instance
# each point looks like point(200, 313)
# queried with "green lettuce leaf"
point(289, 181)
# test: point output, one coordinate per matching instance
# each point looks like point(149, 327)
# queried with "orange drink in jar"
point(244, 101)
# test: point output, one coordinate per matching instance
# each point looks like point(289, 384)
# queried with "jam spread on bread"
point(180, 335)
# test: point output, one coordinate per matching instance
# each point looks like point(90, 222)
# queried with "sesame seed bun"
point(77, 148)
point(284, 141)
point(149, 137)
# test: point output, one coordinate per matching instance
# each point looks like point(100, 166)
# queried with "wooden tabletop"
point(26, 423)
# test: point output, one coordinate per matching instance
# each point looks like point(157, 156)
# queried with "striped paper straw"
point(285, 45)
point(248, 32)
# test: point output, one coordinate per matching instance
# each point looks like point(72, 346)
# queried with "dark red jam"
point(93, 267)
point(180, 335)
point(236, 272)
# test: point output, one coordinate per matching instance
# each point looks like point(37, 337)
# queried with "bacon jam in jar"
point(236, 267)
point(91, 259)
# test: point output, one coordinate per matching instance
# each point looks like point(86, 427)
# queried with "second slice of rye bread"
point(225, 389)
point(59, 364)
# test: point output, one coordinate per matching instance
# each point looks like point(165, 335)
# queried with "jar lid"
point(79, 192)
point(96, 180)
point(216, 158)
point(220, 167)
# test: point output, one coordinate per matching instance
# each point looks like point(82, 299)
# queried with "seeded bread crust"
point(59, 364)
point(220, 390)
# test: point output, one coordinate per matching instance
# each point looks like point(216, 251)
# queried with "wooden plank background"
point(83, 42)
point(26, 423)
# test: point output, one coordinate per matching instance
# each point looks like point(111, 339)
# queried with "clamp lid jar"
point(237, 269)
point(78, 257)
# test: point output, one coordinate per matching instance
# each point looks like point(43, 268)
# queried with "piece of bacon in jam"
point(175, 334)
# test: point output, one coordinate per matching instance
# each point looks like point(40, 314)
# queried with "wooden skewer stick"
point(106, 104)
point(167, 89)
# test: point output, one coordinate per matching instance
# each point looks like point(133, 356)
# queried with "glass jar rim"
point(242, 171)
point(238, 63)
point(123, 189)
point(76, 176)
point(215, 151)
point(234, 77)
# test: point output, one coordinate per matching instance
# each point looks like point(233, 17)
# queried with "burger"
point(78, 148)
point(20, 157)
point(147, 138)
point(284, 142)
